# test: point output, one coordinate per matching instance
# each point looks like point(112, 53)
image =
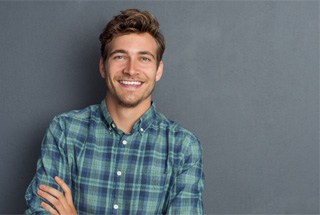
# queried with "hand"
point(63, 203)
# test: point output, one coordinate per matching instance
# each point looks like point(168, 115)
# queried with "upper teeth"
point(131, 82)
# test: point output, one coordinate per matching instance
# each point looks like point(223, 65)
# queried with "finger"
point(65, 188)
point(54, 201)
point(49, 208)
point(55, 197)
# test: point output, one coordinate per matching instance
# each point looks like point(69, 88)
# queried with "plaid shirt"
point(156, 169)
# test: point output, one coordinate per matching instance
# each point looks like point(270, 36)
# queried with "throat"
point(125, 117)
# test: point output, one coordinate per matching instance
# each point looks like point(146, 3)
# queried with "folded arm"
point(52, 162)
point(186, 194)
point(60, 203)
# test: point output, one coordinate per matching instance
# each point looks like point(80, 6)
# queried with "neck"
point(126, 117)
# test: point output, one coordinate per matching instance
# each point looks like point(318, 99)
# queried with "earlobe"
point(159, 71)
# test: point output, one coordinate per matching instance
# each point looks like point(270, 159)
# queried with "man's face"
point(131, 70)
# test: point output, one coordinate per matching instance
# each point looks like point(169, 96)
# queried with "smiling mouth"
point(131, 83)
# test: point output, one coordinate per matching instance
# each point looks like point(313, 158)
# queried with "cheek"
point(109, 72)
point(115, 70)
point(108, 78)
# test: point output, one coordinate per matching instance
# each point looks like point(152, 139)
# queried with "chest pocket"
point(154, 178)
point(154, 183)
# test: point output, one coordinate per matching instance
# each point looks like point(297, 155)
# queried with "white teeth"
point(131, 82)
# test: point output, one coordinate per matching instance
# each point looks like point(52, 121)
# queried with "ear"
point(102, 68)
point(159, 71)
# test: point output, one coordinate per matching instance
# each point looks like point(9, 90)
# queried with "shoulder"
point(184, 147)
point(75, 123)
point(182, 138)
point(173, 127)
point(72, 127)
point(85, 115)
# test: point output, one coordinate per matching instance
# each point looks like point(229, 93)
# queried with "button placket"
point(117, 171)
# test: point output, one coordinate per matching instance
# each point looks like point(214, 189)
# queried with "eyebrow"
point(121, 51)
point(118, 51)
point(147, 53)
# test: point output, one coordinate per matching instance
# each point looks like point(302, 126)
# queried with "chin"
point(128, 103)
point(133, 103)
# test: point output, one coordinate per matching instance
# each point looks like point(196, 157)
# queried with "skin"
point(130, 72)
point(131, 57)
point(61, 201)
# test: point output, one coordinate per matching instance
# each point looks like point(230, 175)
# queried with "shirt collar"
point(140, 126)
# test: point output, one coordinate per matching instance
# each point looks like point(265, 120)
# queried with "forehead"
point(134, 43)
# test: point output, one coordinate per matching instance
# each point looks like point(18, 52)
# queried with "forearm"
point(52, 162)
point(186, 195)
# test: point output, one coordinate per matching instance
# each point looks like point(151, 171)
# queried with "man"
point(122, 156)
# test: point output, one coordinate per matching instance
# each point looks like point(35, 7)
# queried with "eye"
point(145, 59)
point(119, 57)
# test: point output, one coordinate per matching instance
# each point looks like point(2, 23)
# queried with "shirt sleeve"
point(186, 194)
point(52, 162)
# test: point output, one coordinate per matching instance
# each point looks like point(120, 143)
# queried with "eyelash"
point(145, 59)
point(120, 57)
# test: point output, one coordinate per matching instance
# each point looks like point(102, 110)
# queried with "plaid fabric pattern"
point(156, 169)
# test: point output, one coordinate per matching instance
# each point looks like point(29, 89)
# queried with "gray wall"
point(242, 75)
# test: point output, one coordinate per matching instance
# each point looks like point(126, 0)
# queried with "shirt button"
point(115, 206)
point(124, 142)
point(119, 173)
point(113, 125)
point(141, 129)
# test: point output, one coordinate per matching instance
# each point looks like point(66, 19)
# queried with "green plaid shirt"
point(156, 169)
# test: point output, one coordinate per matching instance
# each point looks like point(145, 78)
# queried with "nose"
point(131, 67)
